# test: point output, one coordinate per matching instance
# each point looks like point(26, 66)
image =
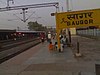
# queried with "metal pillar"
point(24, 18)
point(68, 30)
point(58, 30)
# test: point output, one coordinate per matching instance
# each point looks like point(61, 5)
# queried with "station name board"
point(78, 18)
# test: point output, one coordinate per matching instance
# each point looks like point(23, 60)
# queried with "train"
point(19, 34)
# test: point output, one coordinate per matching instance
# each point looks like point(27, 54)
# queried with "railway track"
point(6, 42)
point(17, 48)
point(13, 43)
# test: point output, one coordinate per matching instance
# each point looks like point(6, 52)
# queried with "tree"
point(36, 26)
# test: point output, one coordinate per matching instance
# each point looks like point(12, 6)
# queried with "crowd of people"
point(53, 46)
point(63, 42)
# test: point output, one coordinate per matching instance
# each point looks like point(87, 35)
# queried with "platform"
point(39, 61)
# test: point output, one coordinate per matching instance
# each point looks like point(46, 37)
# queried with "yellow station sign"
point(78, 18)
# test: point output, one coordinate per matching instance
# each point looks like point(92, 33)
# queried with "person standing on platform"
point(49, 37)
point(42, 36)
point(62, 43)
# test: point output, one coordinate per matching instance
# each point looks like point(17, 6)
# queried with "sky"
point(10, 19)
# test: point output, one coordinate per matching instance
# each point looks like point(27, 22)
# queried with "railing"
point(89, 32)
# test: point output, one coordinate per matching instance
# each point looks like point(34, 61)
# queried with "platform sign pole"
point(58, 39)
point(58, 33)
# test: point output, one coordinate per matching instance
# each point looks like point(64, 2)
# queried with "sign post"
point(76, 19)
point(58, 34)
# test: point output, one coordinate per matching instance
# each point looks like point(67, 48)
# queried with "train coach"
point(19, 34)
point(6, 34)
point(29, 34)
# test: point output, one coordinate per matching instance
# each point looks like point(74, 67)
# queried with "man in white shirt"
point(49, 37)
